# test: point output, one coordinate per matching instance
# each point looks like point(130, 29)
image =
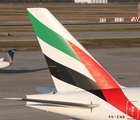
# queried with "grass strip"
point(20, 45)
point(111, 43)
point(88, 44)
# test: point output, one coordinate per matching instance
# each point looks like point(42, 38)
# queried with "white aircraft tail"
point(71, 66)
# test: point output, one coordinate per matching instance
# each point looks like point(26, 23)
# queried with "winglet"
point(9, 55)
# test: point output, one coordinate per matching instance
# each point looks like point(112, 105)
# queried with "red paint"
point(103, 79)
point(110, 89)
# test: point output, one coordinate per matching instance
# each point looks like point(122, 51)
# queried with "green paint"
point(52, 38)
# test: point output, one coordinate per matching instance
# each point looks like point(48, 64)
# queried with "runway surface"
point(78, 35)
point(30, 70)
point(73, 25)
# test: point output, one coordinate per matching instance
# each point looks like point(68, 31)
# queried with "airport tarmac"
point(30, 70)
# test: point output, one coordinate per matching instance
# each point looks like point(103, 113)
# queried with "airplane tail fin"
point(9, 55)
point(70, 65)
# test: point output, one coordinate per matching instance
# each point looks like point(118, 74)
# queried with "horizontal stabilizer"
point(58, 103)
point(46, 90)
point(18, 99)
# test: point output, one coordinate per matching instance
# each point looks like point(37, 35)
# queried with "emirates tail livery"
point(7, 60)
point(84, 89)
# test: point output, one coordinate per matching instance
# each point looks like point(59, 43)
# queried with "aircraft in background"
point(7, 60)
point(84, 89)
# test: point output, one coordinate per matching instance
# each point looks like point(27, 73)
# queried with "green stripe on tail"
point(52, 38)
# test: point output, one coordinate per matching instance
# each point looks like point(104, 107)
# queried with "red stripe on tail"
point(110, 89)
point(103, 79)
